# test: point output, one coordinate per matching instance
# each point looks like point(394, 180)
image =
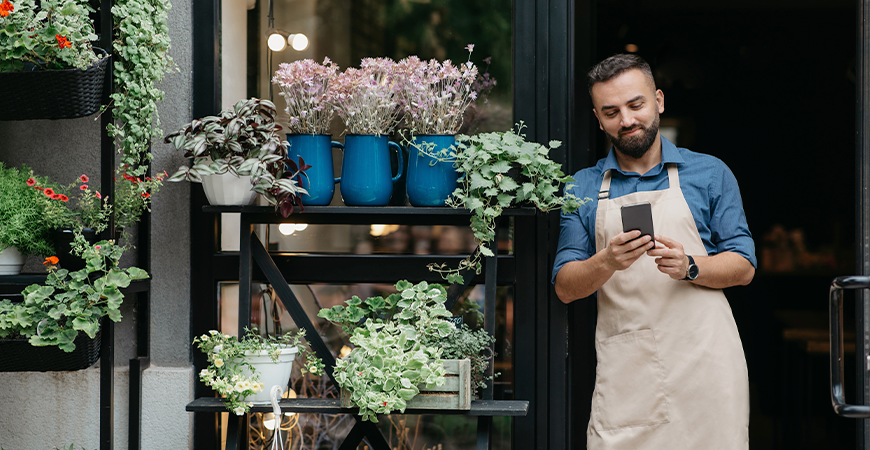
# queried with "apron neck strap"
point(673, 181)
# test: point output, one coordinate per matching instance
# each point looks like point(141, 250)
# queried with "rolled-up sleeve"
point(574, 240)
point(729, 231)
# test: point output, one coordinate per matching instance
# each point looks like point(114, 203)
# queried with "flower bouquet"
point(48, 68)
point(367, 99)
point(305, 85)
point(435, 95)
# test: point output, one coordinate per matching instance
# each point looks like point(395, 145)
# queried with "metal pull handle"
point(838, 396)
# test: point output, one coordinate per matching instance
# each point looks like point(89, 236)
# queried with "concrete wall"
point(42, 410)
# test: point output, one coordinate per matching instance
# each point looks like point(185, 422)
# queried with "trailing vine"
point(141, 59)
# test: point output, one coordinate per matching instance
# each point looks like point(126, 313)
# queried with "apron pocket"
point(629, 386)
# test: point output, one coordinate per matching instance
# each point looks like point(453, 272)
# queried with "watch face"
point(693, 272)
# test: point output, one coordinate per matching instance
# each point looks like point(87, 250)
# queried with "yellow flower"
point(218, 362)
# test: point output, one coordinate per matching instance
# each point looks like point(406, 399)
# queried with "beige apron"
point(671, 372)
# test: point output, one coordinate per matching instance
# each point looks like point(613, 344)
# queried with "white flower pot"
point(11, 261)
point(228, 189)
point(271, 373)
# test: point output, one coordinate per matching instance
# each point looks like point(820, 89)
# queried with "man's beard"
point(636, 146)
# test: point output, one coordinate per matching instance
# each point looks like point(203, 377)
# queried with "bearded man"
point(671, 372)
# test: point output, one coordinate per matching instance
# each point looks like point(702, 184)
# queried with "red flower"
point(62, 42)
point(385, 403)
point(84, 178)
point(128, 177)
point(55, 197)
point(97, 195)
point(51, 260)
point(48, 192)
point(146, 195)
point(64, 198)
point(6, 8)
point(38, 187)
point(83, 187)
point(31, 181)
point(97, 247)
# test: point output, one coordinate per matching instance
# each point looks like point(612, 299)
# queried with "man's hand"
point(579, 279)
point(625, 248)
point(670, 258)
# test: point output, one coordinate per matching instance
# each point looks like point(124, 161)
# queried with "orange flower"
point(6, 8)
point(48, 192)
point(146, 195)
point(61, 41)
point(50, 260)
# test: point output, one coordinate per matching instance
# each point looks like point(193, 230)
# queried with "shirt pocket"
point(629, 384)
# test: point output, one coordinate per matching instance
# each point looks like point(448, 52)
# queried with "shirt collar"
point(670, 154)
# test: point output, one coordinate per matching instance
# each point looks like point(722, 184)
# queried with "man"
point(671, 372)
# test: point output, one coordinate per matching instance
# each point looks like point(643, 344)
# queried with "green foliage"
point(74, 205)
point(133, 197)
point(21, 214)
point(57, 34)
point(390, 359)
point(70, 302)
point(464, 343)
point(226, 371)
point(244, 140)
point(503, 170)
point(141, 59)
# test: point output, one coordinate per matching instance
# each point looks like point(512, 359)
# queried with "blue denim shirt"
point(707, 183)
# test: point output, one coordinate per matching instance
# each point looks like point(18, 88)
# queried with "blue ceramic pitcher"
point(316, 150)
point(430, 181)
point(366, 174)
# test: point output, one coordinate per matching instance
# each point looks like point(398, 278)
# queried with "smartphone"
point(638, 216)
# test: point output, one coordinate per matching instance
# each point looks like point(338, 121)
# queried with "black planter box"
point(17, 355)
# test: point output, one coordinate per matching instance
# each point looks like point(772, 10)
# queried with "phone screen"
point(638, 216)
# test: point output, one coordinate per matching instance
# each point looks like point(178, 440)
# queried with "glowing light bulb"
point(298, 41)
point(287, 228)
point(301, 226)
point(276, 42)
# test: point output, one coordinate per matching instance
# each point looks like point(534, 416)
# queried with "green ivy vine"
point(141, 59)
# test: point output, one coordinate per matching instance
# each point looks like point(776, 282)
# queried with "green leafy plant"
point(465, 343)
point(226, 372)
point(21, 224)
point(390, 360)
point(45, 35)
point(141, 59)
point(501, 170)
point(243, 141)
point(71, 302)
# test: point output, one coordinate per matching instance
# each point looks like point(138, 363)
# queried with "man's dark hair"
point(614, 66)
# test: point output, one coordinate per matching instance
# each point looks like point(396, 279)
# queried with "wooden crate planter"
point(456, 392)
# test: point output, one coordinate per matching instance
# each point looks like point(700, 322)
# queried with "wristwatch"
point(692, 273)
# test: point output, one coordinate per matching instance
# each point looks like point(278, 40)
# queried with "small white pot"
point(11, 261)
point(271, 373)
point(228, 189)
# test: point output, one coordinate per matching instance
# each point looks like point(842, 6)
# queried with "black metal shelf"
point(333, 406)
point(362, 215)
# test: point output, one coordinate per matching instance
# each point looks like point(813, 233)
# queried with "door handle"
point(838, 396)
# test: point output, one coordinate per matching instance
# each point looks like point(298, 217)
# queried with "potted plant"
point(366, 99)
point(70, 209)
point(502, 170)
point(21, 230)
point(305, 86)
point(48, 68)
point(244, 370)
point(67, 306)
point(241, 147)
point(434, 96)
point(398, 351)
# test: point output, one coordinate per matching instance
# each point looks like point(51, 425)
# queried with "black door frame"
point(862, 205)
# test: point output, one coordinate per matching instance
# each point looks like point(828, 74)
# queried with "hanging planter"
point(53, 94)
point(17, 355)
